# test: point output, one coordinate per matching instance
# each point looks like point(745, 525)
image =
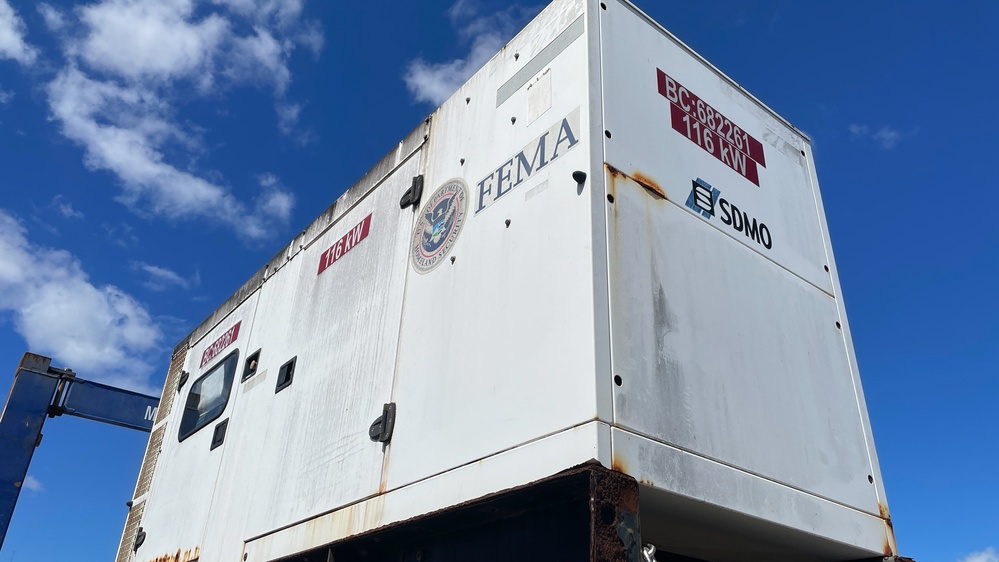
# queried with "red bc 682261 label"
point(708, 128)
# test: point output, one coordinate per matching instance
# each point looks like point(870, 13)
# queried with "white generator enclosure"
point(618, 256)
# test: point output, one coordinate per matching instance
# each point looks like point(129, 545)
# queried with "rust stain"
point(374, 512)
point(614, 174)
point(889, 546)
point(889, 529)
point(883, 509)
point(651, 185)
point(383, 479)
point(648, 183)
point(192, 555)
point(617, 463)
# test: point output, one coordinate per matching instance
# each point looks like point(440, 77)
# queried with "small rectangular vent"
point(286, 375)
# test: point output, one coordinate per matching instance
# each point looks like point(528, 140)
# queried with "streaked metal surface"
point(737, 389)
point(723, 348)
point(185, 476)
point(530, 462)
point(644, 143)
point(497, 348)
point(699, 507)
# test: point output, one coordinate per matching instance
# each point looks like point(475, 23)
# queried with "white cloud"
point(260, 57)
point(311, 36)
point(886, 137)
point(162, 278)
point(97, 330)
point(12, 44)
point(136, 39)
point(859, 130)
point(125, 129)
point(121, 235)
point(130, 62)
point(486, 34)
point(32, 483)
point(282, 13)
point(6, 96)
point(65, 208)
point(288, 117)
point(54, 18)
point(987, 555)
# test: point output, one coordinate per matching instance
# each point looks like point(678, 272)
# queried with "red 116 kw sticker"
point(709, 129)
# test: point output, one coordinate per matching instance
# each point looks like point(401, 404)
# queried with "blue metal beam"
point(21, 428)
point(117, 406)
point(39, 391)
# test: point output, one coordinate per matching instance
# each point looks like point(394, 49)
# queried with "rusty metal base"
point(585, 513)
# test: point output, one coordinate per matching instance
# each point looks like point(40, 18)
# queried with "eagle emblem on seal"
point(439, 225)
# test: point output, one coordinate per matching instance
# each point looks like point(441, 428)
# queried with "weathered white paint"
point(739, 407)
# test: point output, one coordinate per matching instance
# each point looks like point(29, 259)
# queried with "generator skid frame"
point(588, 307)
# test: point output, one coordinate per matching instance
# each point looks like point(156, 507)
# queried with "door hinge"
point(184, 375)
point(140, 537)
point(413, 194)
point(381, 430)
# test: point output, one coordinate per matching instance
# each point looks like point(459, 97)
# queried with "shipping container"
point(599, 259)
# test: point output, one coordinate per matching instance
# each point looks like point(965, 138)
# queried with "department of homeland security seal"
point(439, 225)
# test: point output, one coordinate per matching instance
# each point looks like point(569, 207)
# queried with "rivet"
point(513, 120)
point(516, 56)
point(452, 259)
point(467, 100)
point(507, 222)
point(462, 161)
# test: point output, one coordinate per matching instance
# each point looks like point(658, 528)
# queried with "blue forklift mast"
point(39, 391)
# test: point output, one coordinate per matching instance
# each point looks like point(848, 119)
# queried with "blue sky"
point(153, 155)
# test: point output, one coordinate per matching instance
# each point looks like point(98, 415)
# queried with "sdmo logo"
point(706, 200)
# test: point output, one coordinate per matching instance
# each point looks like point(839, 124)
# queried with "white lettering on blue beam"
point(540, 152)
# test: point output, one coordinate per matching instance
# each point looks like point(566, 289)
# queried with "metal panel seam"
point(720, 231)
point(421, 168)
point(847, 341)
point(360, 199)
point(601, 200)
point(428, 477)
point(683, 449)
point(234, 399)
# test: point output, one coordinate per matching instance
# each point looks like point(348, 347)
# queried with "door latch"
point(413, 194)
point(381, 430)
